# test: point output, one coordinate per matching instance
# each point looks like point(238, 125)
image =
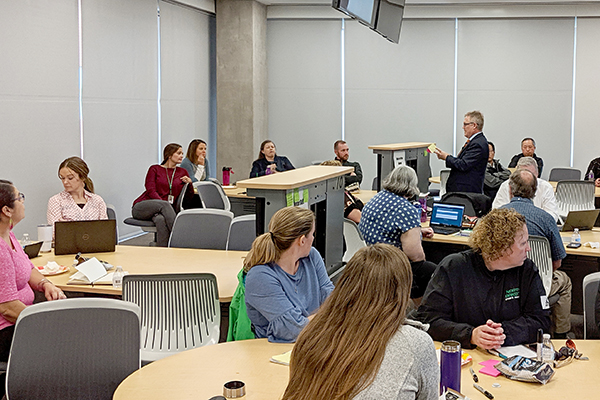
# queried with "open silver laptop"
point(72, 237)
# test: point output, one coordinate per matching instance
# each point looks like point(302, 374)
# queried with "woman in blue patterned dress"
point(389, 217)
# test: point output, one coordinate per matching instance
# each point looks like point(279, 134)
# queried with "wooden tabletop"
point(294, 178)
point(225, 265)
point(400, 146)
point(586, 236)
point(200, 374)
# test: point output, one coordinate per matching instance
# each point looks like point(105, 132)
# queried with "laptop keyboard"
point(444, 230)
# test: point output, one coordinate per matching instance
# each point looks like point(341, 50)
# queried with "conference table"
point(200, 374)
point(225, 265)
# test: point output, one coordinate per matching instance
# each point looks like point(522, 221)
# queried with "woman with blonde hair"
point(286, 279)
point(360, 345)
point(77, 202)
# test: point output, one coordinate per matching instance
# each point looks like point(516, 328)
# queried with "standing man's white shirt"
point(544, 197)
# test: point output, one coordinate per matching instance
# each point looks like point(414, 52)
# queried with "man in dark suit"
point(467, 170)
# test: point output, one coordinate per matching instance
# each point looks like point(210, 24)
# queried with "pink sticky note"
point(488, 368)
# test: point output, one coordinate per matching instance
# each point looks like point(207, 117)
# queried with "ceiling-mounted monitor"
point(364, 11)
point(389, 19)
point(383, 16)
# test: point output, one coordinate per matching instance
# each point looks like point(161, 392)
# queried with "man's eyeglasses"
point(20, 197)
point(467, 123)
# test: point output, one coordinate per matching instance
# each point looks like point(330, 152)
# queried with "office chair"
point(574, 196)
point(150, 226)
point(564, 174)
point(590, 296)
point(354, 239)
point(212, 195)
point(73, 349)
point(201, 228)
point(111, 212)
point(242, 232)
point(178, 311)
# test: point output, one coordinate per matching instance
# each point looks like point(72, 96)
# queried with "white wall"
point(518, 71)
point(39, 94)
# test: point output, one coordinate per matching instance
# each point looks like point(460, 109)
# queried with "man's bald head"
point(523, 183)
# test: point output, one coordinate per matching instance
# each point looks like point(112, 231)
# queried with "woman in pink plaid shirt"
point(78, 201)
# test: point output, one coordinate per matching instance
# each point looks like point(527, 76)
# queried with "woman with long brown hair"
point(359, 345)
point(164, 183)
point(286, 279)
point(77, 202)
point(268, 162)
point(195, 162)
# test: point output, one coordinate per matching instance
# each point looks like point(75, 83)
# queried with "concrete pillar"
point(241, 84)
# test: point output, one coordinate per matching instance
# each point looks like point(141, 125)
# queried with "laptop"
point(583, 220)
point(33, 249)
point(72, 237)
point(446, 219)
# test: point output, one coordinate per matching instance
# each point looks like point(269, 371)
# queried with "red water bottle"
point(226, 174)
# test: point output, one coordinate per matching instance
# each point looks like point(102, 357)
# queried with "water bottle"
point(450, 359)
point(576, 237)
point(591, 176)
point(117, 279)
point(25, 240)
point(547, 349)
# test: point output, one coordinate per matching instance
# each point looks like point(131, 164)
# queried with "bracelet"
point(41, 284)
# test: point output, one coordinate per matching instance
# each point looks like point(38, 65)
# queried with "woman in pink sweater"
point(18, 277)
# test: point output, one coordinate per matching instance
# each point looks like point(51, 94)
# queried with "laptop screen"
point(447, 214)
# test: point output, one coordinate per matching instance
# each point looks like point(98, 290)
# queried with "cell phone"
point(573, 245)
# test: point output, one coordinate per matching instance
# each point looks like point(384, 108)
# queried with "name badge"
point(171, 199)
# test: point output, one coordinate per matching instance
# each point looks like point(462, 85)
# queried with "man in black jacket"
point(527, 150)
point(342, 153)
point(467, 170)
point(491, 295)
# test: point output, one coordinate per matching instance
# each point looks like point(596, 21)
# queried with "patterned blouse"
point(386, 217)
point(62, 207)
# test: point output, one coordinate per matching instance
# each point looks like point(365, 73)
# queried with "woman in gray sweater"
point(359, 344)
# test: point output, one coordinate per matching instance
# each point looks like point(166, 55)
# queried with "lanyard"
point(170, 181)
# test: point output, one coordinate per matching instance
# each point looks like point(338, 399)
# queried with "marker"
point(475, 378)
point(482, 390)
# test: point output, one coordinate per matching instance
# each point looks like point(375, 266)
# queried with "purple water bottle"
point(450, 356)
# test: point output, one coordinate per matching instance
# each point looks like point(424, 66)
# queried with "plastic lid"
point(546, 336)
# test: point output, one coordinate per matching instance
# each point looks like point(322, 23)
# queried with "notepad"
point(91, 272)
point(283, 359)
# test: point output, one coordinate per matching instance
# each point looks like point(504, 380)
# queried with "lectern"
point(413, 154)
point(319, 188)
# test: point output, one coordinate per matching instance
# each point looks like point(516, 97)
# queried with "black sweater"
point(463, 294)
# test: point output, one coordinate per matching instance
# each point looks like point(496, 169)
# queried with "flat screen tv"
point(383, 16)
point(389, 19)
point(364, 11)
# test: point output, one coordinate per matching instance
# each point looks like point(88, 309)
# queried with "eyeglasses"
point(20, 197)
point(467, 123)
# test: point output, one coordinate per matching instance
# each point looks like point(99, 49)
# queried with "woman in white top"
point(77, 202)
point(195, 162)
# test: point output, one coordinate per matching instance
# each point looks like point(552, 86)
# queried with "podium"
point(413, 154)
point(318, 188)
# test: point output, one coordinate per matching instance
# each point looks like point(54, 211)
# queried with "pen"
point(475, 378)
point(482, 390)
